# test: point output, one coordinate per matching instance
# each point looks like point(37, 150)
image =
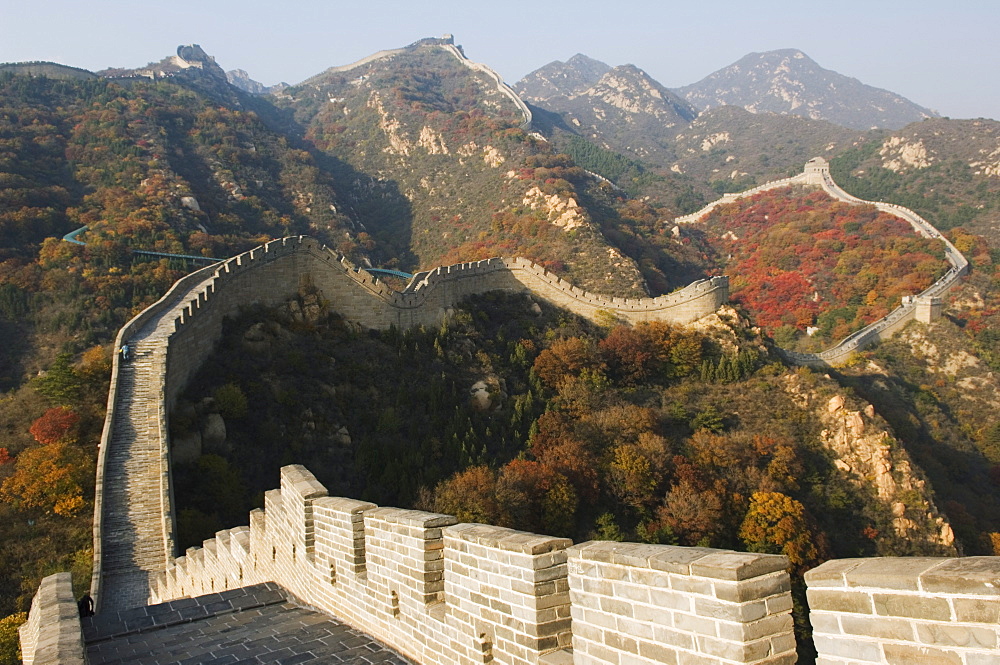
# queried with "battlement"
point(443, 592)
point(448, 593)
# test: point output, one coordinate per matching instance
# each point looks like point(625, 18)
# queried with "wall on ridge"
point(274, 272)
point(455, 594)
point(502, 87)
point(817, 172)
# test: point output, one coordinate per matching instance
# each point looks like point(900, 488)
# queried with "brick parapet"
point(906, 610)
point(660, 604)
point(52, 633)
point(443, 592)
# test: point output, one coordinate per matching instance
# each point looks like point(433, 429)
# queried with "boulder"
point(213, 434)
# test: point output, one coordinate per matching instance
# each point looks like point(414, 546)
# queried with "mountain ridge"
point(787, 81)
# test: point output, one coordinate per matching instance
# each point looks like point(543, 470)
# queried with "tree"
point(50, 478)
point(693, 515)
point(776, 524)
point(55, 425)
point(566, 357)
point(630, 476)
point(469, 495)
point(10, 646)
point(61, 383)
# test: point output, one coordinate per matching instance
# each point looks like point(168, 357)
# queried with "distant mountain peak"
point(240, 78)
point(789, 82)
point(632, 90)
point(561, 79)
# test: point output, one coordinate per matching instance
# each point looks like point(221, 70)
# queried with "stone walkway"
point(258, 624)
point(132, 533)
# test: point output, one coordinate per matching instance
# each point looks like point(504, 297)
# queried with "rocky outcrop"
point(865, 451)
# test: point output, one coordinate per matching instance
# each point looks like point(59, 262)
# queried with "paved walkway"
point(258, 624)
point(132, 513)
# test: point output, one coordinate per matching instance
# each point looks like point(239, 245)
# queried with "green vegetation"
point(537, 421)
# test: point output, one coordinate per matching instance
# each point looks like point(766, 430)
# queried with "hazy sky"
point(940, 54)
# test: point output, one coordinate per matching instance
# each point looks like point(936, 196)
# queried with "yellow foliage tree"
point(776, 524)
point(10, 651)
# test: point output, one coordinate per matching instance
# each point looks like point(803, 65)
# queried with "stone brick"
point(840, 601)
point(854, 650)
point(912, 606)
point(890, 572)
point(754, 588)
point(825, 622)
point(658, 653)
point(831, 573)
point(882, 628)
point(755, 630)
point(738, 612)
point(957, 635)
point(904, 654)
point(738, 565)
point(671, 599)
point(977, 610)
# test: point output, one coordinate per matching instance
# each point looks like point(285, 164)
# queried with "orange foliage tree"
point(50, 478)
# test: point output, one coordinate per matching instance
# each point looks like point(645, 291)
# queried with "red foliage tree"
point(56, 424)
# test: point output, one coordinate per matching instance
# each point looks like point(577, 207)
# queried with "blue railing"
point(71, 237)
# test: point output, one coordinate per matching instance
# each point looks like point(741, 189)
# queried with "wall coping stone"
point(417, 518)
point(978, 575)
point(353, 506)
point(509, 540)
point(699, 561)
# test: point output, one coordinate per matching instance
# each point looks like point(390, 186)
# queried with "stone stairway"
point(133, 542)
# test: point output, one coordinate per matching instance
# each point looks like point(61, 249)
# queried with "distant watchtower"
point(816, 171)
point(929, 308)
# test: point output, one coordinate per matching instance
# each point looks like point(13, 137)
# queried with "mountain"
point(438, 167)
point(732, 149)
point(946, 170)
point(625, 110)
point(240, 78)
point(561, 79)
point(788, 82)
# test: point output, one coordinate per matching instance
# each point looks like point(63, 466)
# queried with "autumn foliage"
point(803, 259)
point(55, 425)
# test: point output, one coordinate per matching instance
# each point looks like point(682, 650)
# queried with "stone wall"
point(906, 610)
point(183, 327)
point(921, 307)
point(52, 633)
point(660, 604)
point(276, 271)
point(447, 593)
point(502, 87)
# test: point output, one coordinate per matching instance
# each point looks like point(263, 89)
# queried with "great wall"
point(442, 592)
point(923, 307)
